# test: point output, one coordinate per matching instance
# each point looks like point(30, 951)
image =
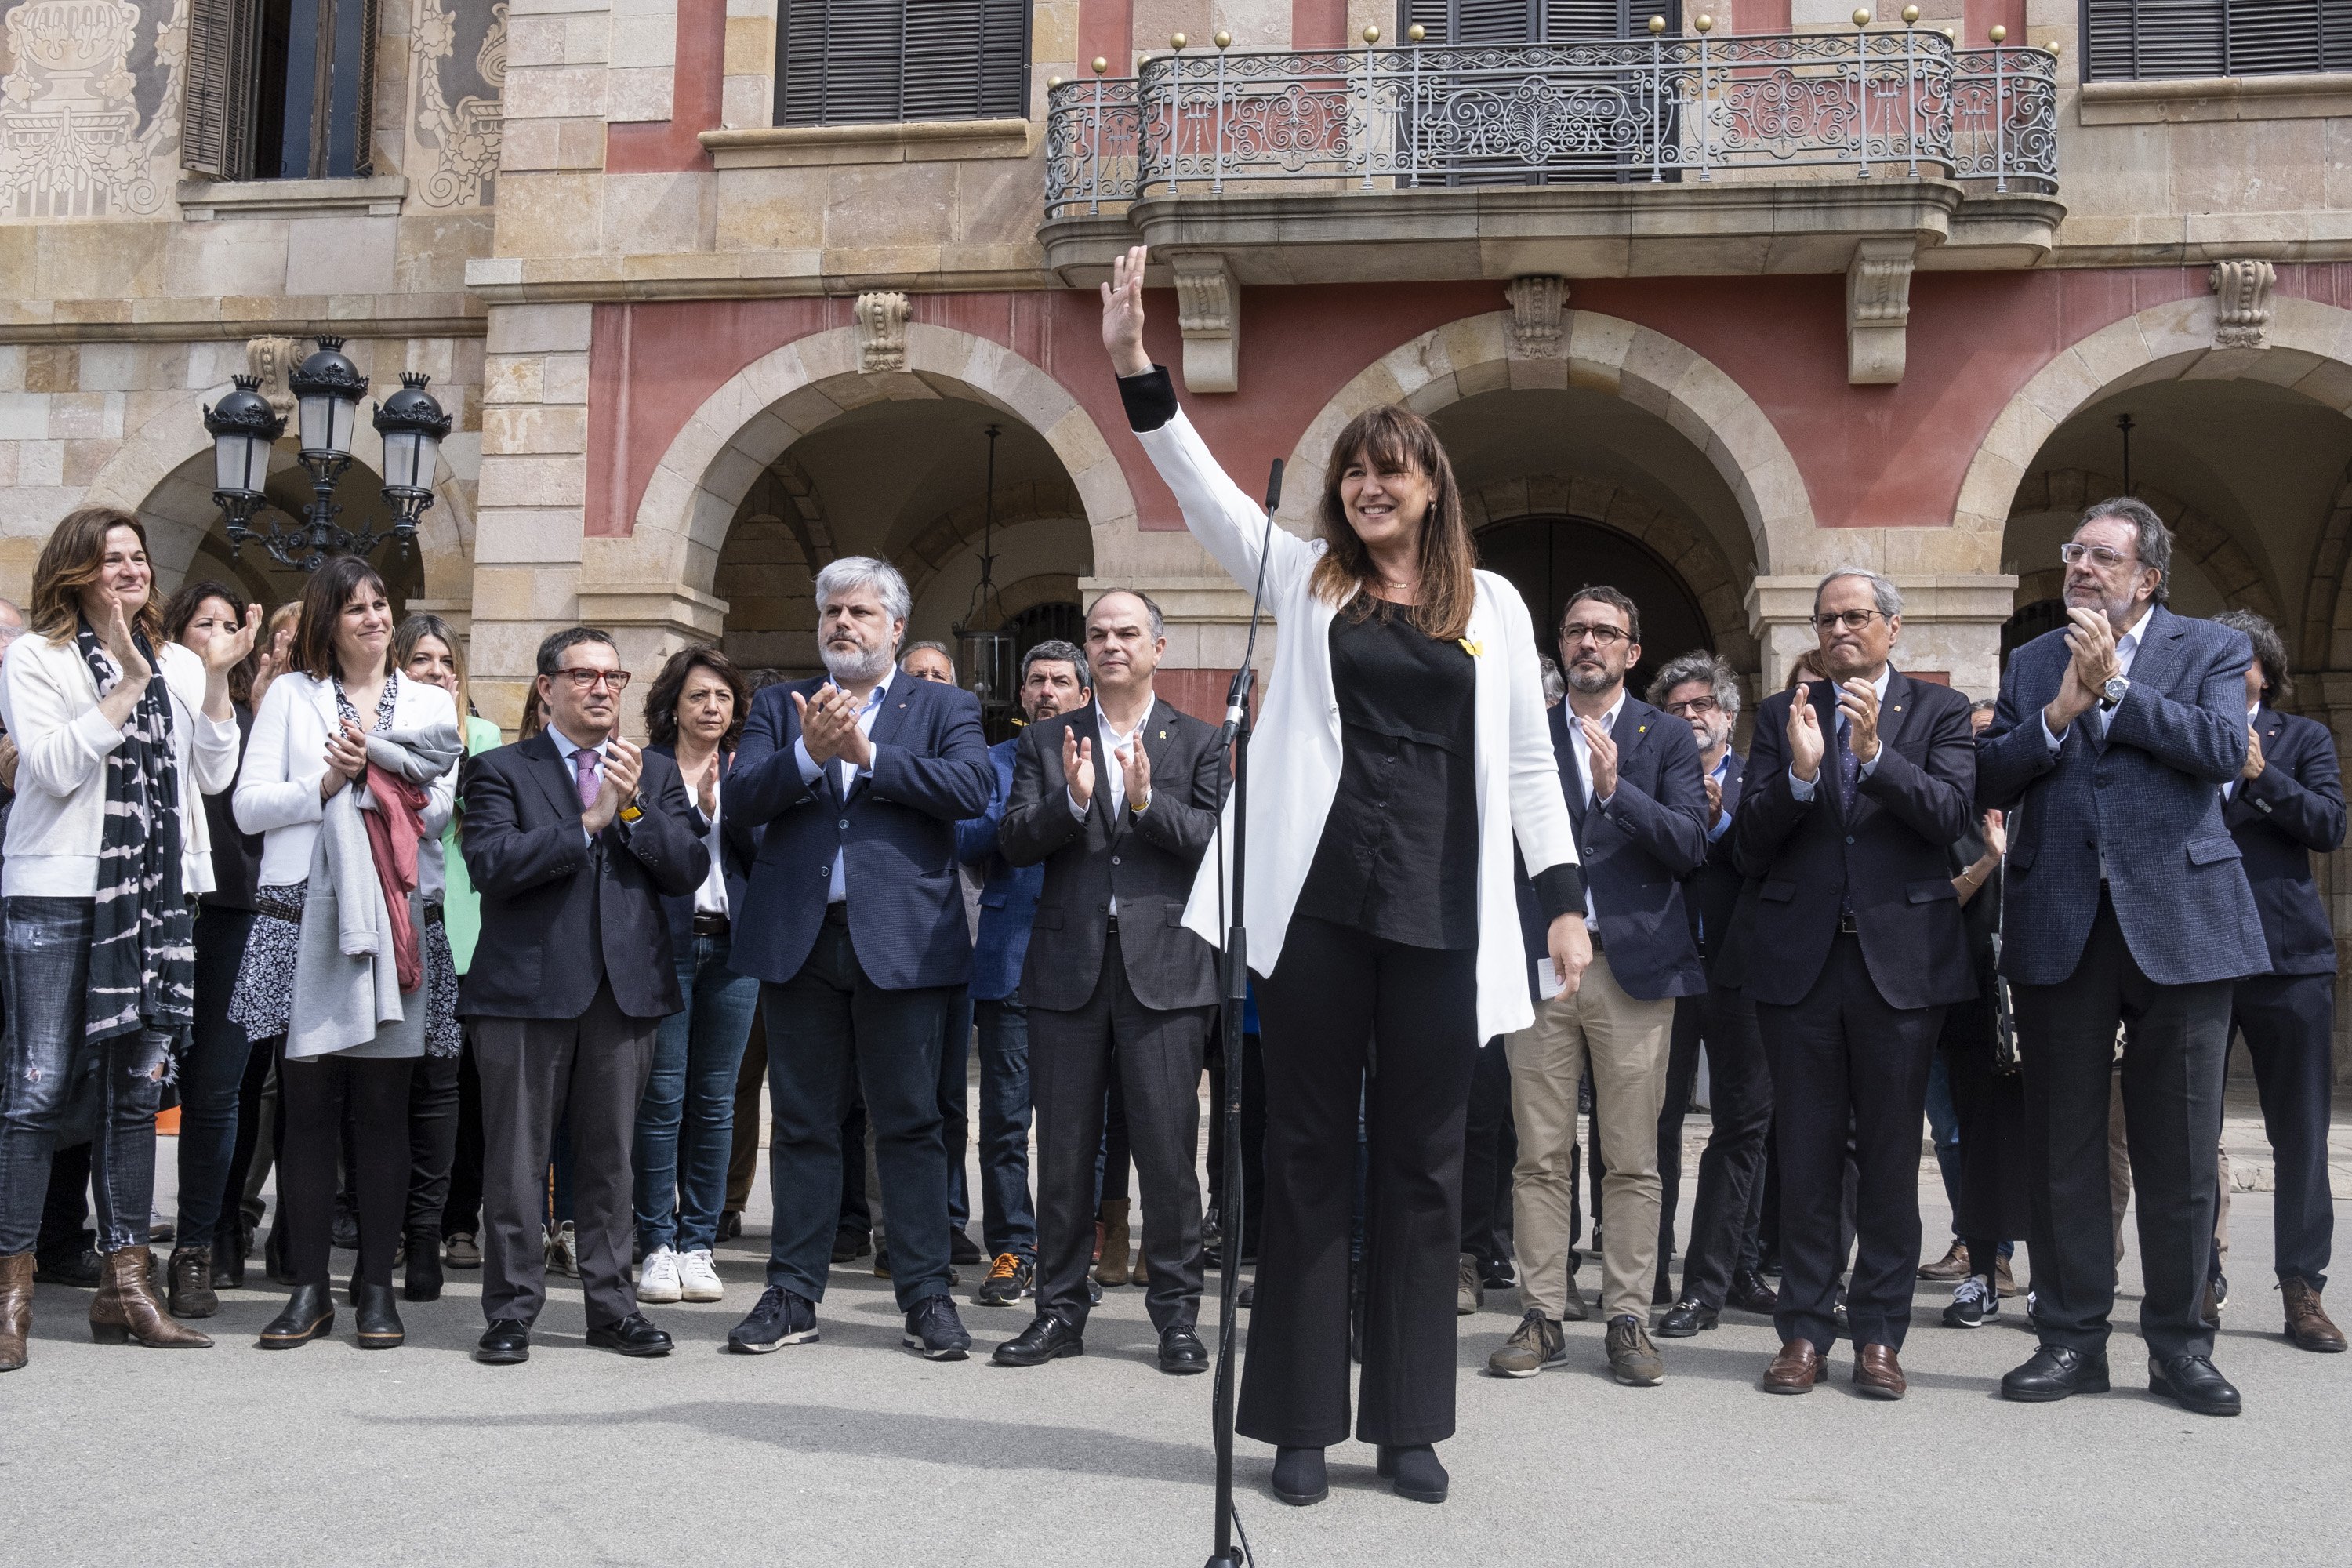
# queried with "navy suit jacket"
point(1636, 849)
point(2295, 810)
point(1711, 892)
point(896, 833)
point(737, 844)
point(1891, 856)
point(1008, 894)
point(2149, 791)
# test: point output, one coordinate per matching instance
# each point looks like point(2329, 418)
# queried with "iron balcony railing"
point(1658, 109)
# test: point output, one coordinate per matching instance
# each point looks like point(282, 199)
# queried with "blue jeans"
point(59, 1080)
point(1008, 1219)
point(686, 1122)
point(211, 1071)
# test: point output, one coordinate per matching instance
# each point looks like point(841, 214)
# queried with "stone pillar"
point(2327, 696)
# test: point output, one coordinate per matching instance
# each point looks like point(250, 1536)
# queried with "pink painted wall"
point(672, 145)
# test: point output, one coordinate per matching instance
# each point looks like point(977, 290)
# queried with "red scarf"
point(393, 828)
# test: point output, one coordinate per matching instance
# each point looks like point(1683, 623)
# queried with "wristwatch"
point(2113, 693)
point(631, 812)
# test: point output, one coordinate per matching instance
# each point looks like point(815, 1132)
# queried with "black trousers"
point(64, 1208)
point(1730, 1189)
point(1490, 1147)
point(461, 1206)
point(433, 1117)
point(317, 1094)
point(1249, 1213)
point(2289, 1022)
point(1844, 1063)
point(1992, 1202)
point(1156, 1056)
point(1352, 1021)
point(2175, 1037)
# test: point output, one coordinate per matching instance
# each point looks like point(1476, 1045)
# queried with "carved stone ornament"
point(1537, 301)
point(1878, 311)
point(1207, 312)
point(269, 360)
point(2243, 297)
point(882, 331)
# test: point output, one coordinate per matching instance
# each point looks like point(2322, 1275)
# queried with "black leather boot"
point(379, 1319)
point(309, 1313)
point(423, 1279)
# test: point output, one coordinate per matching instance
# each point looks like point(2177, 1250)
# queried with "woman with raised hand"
point(351, 771)
point(119, 733)
point(1401, 747)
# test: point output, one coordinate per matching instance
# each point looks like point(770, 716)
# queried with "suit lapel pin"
point(1163, 734)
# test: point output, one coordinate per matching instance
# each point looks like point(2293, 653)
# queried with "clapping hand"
point(225, 650)
point(1713, 800)
point(826, 720)
point(618, 785)
point(706, 785)
point(1078, 767)
point(346, 759)
point(1136, 766)
point(272, 662)
point(1806, 745)
point(1858, 699)
point(1602, 751)
point(2255, 761)
point(1995, 835)
point(124, 646)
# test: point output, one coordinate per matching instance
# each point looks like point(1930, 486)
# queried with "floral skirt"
point(264, 994)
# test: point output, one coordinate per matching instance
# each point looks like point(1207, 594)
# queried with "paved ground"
point(853, 1452)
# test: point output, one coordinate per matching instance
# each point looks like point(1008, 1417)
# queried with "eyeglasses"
point(2104, 559)
point(586, 681)
point(1694, 708)
point(1851, 620)
point(1602, 636)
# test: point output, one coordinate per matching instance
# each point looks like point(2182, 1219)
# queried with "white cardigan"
point(1295, 754)
point(49, 701)
point(278, 792)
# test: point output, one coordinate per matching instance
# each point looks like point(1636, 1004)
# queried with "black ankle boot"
point(228, 1256)
point(379, 1320)
point(423, 1278)
point(1298, 1477)
point(309, 1312)
point(1415, 1472)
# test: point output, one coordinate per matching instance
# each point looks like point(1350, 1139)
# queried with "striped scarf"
point(142, 951)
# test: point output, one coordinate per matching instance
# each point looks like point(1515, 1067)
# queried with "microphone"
point(1238, 693)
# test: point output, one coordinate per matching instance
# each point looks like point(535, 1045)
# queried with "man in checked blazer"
point(1119, 800)
point(2127, 902)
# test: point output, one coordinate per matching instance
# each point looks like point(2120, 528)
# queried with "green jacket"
point(461, 907)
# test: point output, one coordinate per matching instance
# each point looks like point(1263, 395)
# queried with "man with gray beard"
point(854, 922)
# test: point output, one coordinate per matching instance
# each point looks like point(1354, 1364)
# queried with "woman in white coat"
point(343, 718)
point(1401, 747)
point(119, 735)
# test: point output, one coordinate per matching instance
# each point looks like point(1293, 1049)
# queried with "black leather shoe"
point(1685, 1319)
point(2192, 1382)
point(1751, 1292)
point(934, 1332)
point(379, 1319)
point(631, 1336)
point(1414, 1472)
point(962, 1247)
point(1299, 1477)
point(309, 1313)
point(81, 1268)
point(507, 1342)
point(1182, 1352)
point(1047, 1338)
point(2054, 1371)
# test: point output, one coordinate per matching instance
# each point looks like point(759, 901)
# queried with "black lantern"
point(326, 389)
point(243, 427)
point(411, 425)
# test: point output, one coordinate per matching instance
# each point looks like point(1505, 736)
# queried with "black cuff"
point(1151, 398)
point(1560, 890)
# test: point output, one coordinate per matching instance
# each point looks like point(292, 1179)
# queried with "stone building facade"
point(719, 290)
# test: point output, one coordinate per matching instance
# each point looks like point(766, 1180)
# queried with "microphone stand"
point(1236, 735)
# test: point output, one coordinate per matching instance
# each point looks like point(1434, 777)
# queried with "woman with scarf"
point(352, 766)
point(120, 733)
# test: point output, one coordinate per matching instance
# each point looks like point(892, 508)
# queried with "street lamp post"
point(326, 389)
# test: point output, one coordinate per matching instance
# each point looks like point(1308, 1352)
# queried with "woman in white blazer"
point(341, 707)
point(119, 733)
point(1402, 748)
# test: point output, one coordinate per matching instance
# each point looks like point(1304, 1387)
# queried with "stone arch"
point(2233, 572)
point(1479, 354)
point(2325, 634)
point(943, 538)
point(1698, 559)
point(740, 430)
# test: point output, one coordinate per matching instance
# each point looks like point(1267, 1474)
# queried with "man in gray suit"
point(1118, 799)
point(2126, 903)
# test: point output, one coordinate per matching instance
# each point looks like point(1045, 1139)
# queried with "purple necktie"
point(584, 763)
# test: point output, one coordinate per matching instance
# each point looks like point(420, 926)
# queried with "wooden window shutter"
point(2133, 39)
point(218, 92)
point(843, 61)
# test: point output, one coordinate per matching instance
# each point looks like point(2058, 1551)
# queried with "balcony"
point(1658, 155)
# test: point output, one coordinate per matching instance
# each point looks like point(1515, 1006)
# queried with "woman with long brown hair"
point(120, 731)
point(1401, 747)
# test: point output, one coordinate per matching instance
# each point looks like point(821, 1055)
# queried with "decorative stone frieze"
point(1878, 311)
point(882, 331)
point(269, 360)
point(2243, 295)
point(1207, 311)
point(1536, 301)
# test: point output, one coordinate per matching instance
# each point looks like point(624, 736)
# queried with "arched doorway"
point(1548, 559)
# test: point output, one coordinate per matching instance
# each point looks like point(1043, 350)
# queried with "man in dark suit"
point(572, 839)
point(2285, 805)
point(1631, 776)
point(2125, 903)
point(1851, 947)
point(854, 922)
point(1702, 691)
point(1053, 681)
point(1118, 800)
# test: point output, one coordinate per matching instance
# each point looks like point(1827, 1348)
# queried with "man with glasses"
point(572, 837)
point(1719, 1270)
point(2126, 904)
point(1635, 799)
point(1851, 947)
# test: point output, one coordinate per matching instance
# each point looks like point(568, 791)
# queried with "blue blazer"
point(1008, 898)
point(1636, 850)
point(2295, 810)
point(737, 842)
point(896, 832)
point(2149, 791)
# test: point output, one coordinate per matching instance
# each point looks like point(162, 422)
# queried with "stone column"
point(2327, 696)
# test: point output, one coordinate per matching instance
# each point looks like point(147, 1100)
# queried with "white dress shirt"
point(1584, 771)
point(1110, 755)
point(848, 774)
point(1803, 788)
point(711, 898)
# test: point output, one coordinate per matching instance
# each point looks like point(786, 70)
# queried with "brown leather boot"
point(1112, 1269)
point(2307, 1320)
point(126, 1309)
point(190, 1282)
point(16, 1308)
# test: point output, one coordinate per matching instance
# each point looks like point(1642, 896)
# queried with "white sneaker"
point(563, 1251)
point(698, 1276)
point(657, 1276)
